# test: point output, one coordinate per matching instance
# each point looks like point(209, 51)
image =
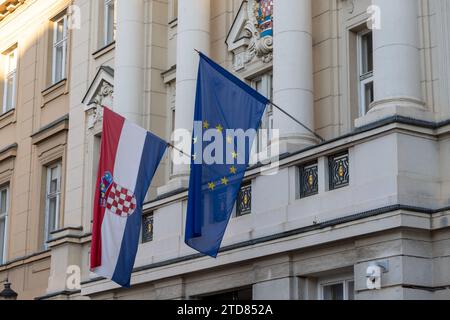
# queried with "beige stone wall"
point(37, 106)
point(29, 277)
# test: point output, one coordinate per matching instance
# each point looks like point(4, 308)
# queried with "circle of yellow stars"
point(232, 170)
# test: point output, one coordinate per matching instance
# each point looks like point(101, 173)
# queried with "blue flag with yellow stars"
point(227, 114)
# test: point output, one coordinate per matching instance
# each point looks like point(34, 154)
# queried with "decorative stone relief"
point(106, 91)
point(260, 25)
point(251, 35)
point(350, 6)
point(100, 93)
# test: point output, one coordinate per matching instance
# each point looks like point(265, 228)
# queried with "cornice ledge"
point(7, 7)
point(61, 124)
point(8, 152)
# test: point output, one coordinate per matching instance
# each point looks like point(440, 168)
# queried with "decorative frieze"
point(99, 94)
point(96, 114)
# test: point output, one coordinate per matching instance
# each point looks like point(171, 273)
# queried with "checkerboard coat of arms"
point(260, 27)
point(263, 12)
point(251, 34)
point(117, 199)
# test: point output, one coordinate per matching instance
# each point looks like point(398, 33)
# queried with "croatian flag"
point(129, 158)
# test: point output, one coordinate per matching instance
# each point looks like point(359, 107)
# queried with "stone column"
point(397, 72)
point(293, 72)
point(129, 60)
point(193, 33)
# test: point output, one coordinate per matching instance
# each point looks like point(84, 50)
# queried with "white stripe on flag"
point(126, 170)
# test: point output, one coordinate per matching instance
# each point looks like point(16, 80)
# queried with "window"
point(4, 199)
point(339, 290)
point(96, 159)
point(10, 84)
point(244, 294)
point(59, 53)
point(172, 130)
point(110, 21)
point(264, 85)
point(52, 200)
point(365, 71)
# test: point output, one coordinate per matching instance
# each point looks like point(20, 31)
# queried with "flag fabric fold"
point(223, 104)
point(129, 158)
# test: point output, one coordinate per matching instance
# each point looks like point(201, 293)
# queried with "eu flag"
point(227, 112)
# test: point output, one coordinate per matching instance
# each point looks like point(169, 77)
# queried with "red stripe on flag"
point(112, 129)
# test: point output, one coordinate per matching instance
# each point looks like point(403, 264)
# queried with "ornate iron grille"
point(244, 200)
point(339, 171)
point(147, 228)
point(309, 182)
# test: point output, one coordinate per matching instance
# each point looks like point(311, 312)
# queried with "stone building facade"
point(371, 77)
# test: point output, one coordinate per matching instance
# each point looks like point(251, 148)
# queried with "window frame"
point(345, 283)
point(49, 196)
point(106, 22)
point(268, 116)
point(174, 10)
point(56, 44)
point(173, 112)
point(5, 216)
point(363, 78)
point(8, 75)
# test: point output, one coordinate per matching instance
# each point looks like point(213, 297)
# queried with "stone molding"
point(51, 130)
point(99, 94)
point(7, 157)
point(8, 118)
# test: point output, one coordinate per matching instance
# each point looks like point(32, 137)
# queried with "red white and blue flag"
point(129, 158)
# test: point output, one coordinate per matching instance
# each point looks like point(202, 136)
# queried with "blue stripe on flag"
point(152, 154)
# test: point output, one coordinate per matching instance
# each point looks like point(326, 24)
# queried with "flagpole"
point(297, 121)
point(289, 115)
point(177, 149)
point(170, 145)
